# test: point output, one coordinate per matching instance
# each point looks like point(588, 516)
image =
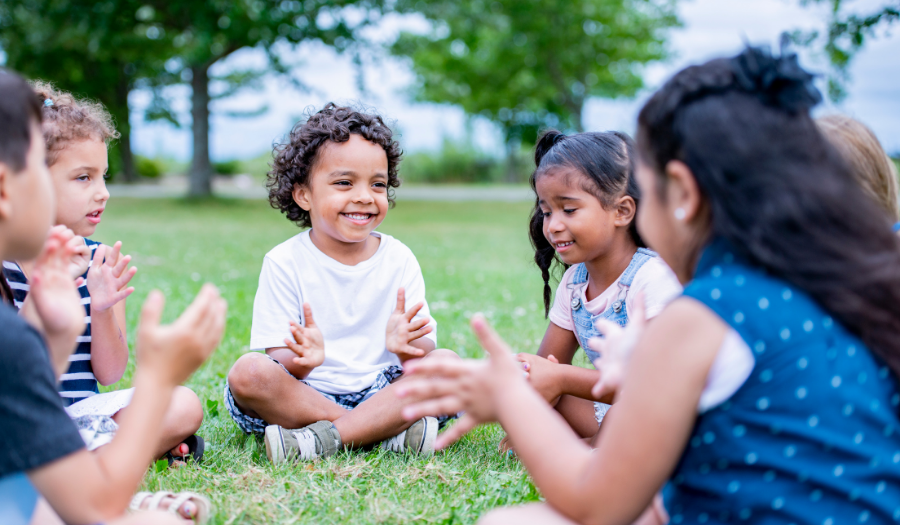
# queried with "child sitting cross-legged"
point(330, 312)
point(76, 133)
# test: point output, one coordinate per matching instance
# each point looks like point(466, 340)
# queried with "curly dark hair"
point(295, 158)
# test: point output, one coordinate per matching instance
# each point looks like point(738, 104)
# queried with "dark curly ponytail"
point(606, 162)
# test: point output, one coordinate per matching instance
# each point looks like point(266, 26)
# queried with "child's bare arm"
point(550, 371)
point(91, 487)
point(108, 285)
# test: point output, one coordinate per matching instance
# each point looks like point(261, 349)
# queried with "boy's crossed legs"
point(263, 393)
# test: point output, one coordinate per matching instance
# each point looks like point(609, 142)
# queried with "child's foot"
point(418, 438)
point(319, 440)
point(186, 505)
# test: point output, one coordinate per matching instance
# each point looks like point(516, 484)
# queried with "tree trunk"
point(122, 114)
point(200, 173)
point(512, 167)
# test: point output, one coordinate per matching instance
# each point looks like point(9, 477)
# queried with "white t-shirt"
point(654, 278)
point(351, 306)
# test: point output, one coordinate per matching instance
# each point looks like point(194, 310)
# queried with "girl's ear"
point(301, 196)
point(625, 210)
point(682, 192)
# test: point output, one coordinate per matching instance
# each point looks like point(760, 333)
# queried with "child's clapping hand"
point(308, 342)
point(402, 329)
point(615, 348)
point(108, 277)
point(449, 386)
point(173, 352)
point(541, 373)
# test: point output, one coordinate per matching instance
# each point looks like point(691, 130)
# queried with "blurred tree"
point(530, 65)
point(93, 49)
point(205, 32)
point(845, 36)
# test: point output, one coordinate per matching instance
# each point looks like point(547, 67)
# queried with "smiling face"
point(346, 195)
point(576, 224)
point(79, 177)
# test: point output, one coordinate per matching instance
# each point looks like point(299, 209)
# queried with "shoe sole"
point(431, 432)
point(274, 445)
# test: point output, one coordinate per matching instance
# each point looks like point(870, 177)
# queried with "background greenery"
point(474, 256)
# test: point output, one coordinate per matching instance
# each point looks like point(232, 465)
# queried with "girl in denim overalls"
point(583, 220)
point(768, 393)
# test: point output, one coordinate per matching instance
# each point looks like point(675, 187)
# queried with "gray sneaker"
point(319, 440)
point(418, 438)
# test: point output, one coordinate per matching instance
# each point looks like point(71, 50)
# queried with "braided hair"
point(605, 161)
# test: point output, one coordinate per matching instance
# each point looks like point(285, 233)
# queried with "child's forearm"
point(286, 357)
point(578, 382)
point(423, 343)
point(60, 346)
point(109, 349)
point(124, 461)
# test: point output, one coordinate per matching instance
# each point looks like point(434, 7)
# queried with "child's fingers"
point(639, 309)
point(97, 260)
point(413, 351)
point(452, 434)
point(418, 324)
point(401, 301)
point(412, 312)
point(606, 327)
point(420, 333)
point(125, 278)
point(120, 265)
point(422, 388)
point(449, 404)
point(552, 358)
point(440, 366)
point(79, 282)
point(121, 295)
point(295, 347)
point(199, 309)
point(113, 255)
point(489, 339)
point(308, 316)
point(152, 310)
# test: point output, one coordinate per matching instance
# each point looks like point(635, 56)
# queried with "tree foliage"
point(529, 65)
point(845, 36)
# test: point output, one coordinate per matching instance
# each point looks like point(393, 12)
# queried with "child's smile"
point(346, 198)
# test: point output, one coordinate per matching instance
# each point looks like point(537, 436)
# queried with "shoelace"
point(396, 443)
point(306, 442)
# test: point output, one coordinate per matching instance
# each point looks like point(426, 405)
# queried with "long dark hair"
point(606, 162)
point(777, 190)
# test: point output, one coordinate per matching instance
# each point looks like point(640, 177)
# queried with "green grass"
point(474, 256)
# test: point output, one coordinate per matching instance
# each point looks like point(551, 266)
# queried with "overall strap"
point(580, 274)
point(640, 257)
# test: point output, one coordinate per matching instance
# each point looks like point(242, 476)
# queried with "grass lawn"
point(475, 257)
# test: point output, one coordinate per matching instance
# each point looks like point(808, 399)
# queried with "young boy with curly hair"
point(325, 383)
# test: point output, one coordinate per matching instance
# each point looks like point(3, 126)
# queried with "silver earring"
point(680, 214)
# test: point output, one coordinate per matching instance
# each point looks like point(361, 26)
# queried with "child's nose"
point(102, 193)
point(363, 196)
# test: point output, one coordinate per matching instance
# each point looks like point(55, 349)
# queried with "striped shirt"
point(78, 382)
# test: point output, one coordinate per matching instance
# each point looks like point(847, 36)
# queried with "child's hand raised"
point(53, 292)
point(402, 329)
point(80, 253)
point(448, 386)
point(308, 342)
point(172, 352)
point(541, 374)
point(615, 348)
point(108, 279)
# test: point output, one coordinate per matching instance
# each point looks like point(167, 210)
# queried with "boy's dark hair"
point(19, 109)
point(776, 189)
point(295, 158)
point(606, 161)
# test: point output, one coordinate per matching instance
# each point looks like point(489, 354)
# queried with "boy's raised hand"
point(448, 386)
point(173, 352)
point(403, 329)
point(308, 342)
point(108, 278)
point(80, 254)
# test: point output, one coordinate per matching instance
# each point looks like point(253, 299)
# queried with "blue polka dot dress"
point(812, 437)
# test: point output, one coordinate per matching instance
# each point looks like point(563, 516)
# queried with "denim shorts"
point(253, 425)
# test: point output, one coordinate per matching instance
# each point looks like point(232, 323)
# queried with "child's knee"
point(442, 353)
point(186, 409)
point(249, 373)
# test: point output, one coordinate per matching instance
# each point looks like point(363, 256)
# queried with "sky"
point(710, 28)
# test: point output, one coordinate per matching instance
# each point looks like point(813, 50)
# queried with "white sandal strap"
point(138, 499)
point(157, 498)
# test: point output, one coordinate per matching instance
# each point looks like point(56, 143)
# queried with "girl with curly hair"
point(768, 392)
point(326, 382)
